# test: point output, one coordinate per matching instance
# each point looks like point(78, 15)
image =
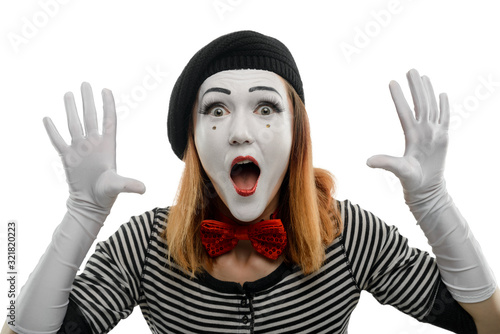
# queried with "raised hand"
point(421, 168)
point(90, 160)
point(462, 265)
point(90, 165)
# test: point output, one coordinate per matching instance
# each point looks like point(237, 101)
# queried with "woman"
point(255, 241)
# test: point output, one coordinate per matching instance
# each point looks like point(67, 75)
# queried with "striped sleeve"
point(383, 264)
point(109, 287)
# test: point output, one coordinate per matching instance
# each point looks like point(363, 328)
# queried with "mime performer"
point(256, 242)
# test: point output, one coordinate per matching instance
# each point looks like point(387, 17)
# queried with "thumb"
point(115, 184)
point(392, 164)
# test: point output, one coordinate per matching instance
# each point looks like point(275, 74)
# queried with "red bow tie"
point(268, 237)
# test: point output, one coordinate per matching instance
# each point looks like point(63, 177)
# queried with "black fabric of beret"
point(237, 50)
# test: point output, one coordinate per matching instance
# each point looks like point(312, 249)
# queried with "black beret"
point(237, 50)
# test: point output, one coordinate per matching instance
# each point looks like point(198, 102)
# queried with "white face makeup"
point(243, 135)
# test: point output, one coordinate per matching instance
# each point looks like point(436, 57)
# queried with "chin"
point(249, 208)
point(245, 210)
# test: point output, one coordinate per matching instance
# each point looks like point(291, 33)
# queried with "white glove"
point(90, 166)
point(459, 258)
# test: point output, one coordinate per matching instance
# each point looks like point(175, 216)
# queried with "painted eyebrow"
point(218, 89)
point(253, 89)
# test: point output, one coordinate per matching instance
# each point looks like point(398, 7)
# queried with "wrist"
point(86, 209)
point(83, 218)
point(429, 201)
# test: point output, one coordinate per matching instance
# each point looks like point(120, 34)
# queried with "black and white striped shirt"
point(131, 268)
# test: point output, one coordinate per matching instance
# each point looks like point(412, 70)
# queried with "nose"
point(240, 132)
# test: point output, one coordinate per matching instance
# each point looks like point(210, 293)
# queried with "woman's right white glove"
point(90, 166)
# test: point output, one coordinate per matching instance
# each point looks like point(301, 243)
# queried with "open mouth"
point(245, 174)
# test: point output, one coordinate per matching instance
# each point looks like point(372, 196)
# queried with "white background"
point(50, 47)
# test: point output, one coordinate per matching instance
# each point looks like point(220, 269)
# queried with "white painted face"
point(243, 135)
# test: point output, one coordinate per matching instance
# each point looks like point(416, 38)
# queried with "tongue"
point(245, 176)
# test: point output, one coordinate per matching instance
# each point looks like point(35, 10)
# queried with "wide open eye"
point(216, 111)
point(265, 110)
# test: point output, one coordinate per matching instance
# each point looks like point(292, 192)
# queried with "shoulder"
point(160, 217)
point(138, 231)
point(364, 234)
point(155, 219)
point(357, 219)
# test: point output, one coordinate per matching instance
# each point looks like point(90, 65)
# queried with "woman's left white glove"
point(90, 166)
point(459, 257)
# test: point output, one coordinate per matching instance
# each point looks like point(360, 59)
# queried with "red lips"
point(245, 175)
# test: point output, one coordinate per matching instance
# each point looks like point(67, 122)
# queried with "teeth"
point(244, 162)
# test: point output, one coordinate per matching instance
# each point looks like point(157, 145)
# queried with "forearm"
point(43, 300)
point(459, 257)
